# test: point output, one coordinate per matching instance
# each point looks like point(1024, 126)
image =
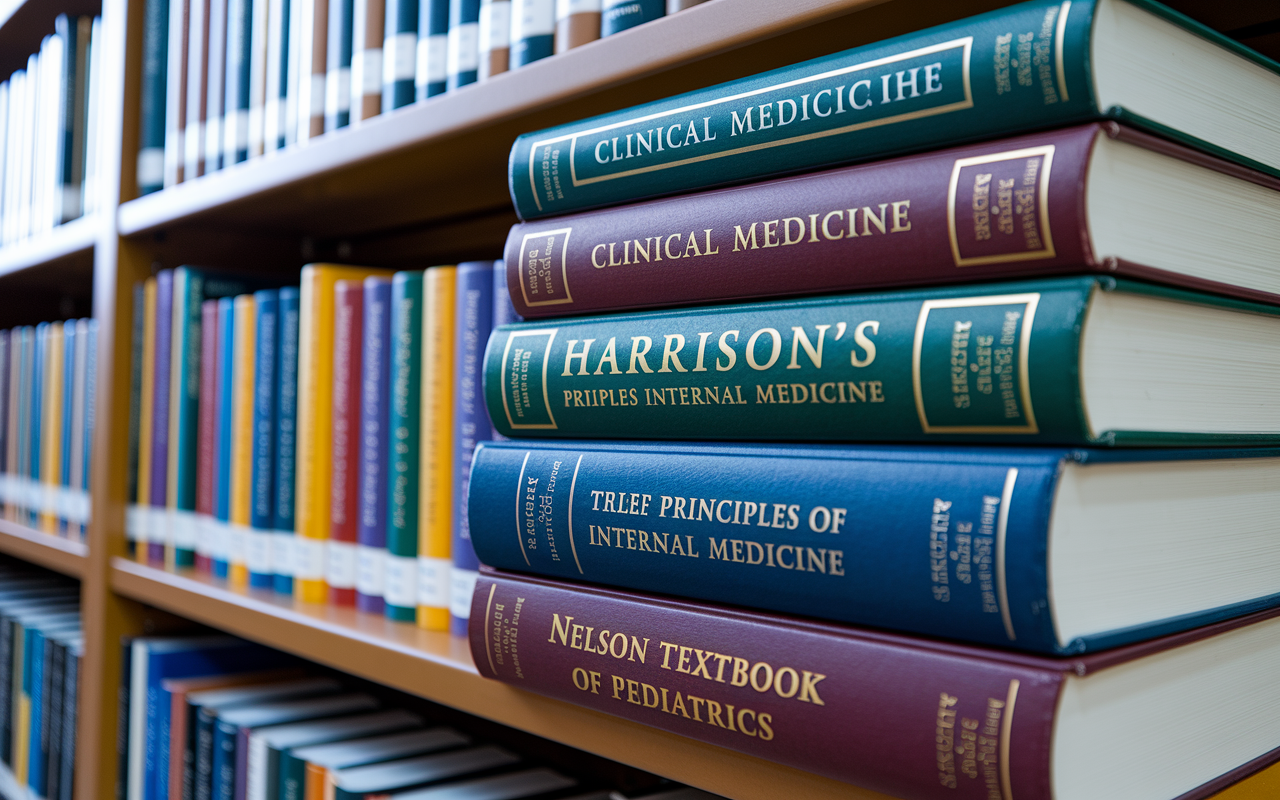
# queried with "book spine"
point(577, 22)
point(262, 500)
point(366, 59)
point(286, 451)
point(90, 419)
point(884, 367)
point(344, 491)
point(259, 52)
point(533, 31)
point(242, 439)
point(224, 761)
point(175, 91)
point(495, 38)
point(162, 532)
point(72, 430)
point(215, 88)
point(716, 522)
point(337, 102)
point(464, 44)
point(196, 89)
point(155, 41)
point(312, 102)
point(405, 421)
point(6, 375)
point(619, 15)
point(913, 223)
point(375, 388)
point(146, 419)
point(235, 110)
point(184, 420)
point(292, 58)
point(13, 476)
point(277, 77)
point(51, 430)
point(919, 91)
point(207, 456)
point(435, 528)
point(70, 708)
point(207, 756)
point(37, 682)
point(474, 321)
point(777, 689)
point(220, 545)
point(680, 5)
point(34, 443)
point(400, 53)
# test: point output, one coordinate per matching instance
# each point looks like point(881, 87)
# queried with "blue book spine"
point(375, 388)
point(337, 105)
point(533, 31)
point(36, 419)
point(224, 761)
point(70, 346)
point(90, 392)
point(504, 311)
point(620, 15)
point(286, 441)
point(34, 650)
point(235, 143)
point(399, 53)
point(222, 437)
point(152, 98)
point(464, 43)
point(262, 479)
point(433, 49)
point(474, 318)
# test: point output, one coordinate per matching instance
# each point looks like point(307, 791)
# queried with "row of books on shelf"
point(49, 132)
point(215, 716)
point(48, 377)
point(40, 652)
point(314, 441)
point(231, 80)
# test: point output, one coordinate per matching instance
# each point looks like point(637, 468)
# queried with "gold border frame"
point(546, 359)
point(1046, 235)
point(1031, 300)
point(1059, 36)
point(564, 267)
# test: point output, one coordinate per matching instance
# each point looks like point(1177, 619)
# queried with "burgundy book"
point(344, 517)
point(206, 429)
point(1095, 198)
point(914, 718)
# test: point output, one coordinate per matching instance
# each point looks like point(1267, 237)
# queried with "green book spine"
point(292, 778)
point(402, 492)
point(991, 363)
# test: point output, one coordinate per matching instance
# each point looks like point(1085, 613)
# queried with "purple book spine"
point(160, 417)
point(374, 393)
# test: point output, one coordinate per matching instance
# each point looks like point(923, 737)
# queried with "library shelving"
point(423, 184)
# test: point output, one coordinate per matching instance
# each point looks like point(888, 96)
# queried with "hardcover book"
point(1032, 65)
point(401, 587)
point(282, 555)
point(262, 496)
point(374, 434)
point(344, 520)
point(1063, 360)
point(435, 496)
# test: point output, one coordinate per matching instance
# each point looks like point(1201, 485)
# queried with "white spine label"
point(370, 570)
point(308, 558)
point(495, 25)
point(532, 18)
point(340, 570)
point(464, 48)
point(402, 584)
point(433, 581)
point(282, 552)
point(462, 585)
point(567, 8)
point(398, 57)
point(259, 557)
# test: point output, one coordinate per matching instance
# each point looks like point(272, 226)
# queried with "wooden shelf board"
point(45, 549)
point(438, 666)
point(76, 237)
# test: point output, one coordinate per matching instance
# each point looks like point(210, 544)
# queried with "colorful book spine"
point(368, 26)
point(337, 97)
point(375, 389)
point(474, 321)
point(146, 408)
point(175, 90)
point(282, 554)
point(155, 46)
point(215, 91)
point(245, 348)
point(197, 88)
point(35, 411)
point(72, 427)
point(400, 53)
point(184, 413)
point(464, 43)
point(435, 504)
point(90, 420)
point(235, 107)
point(533, 31)
point(401, 592)
point(619, 15)
point(161, 529)
point(577, 22)
point(224, 433)
point(262, 479)
point(206, 461)
point(51, 432)
point(495, 38)
point(344, 489)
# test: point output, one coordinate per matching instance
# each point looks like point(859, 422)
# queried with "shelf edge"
point(45, 549)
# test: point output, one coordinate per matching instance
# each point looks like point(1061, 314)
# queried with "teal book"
point(401, 585)
point(263, 456)
point(151, 102)
point(286, 440)
point(1069, 361)
point(71, 355)
point(1033, 65)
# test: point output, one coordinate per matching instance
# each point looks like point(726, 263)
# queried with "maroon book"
point(914, 718)
point(207, 429)
point(344, 518)
point(1018, 207)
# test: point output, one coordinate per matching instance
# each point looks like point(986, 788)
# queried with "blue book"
point(223, 435)
point(155, 60)
point(70, 347)
point(533, 31)
point(474, 318)
point(375, 389)
point(262, 477)
point(399, 53)
point(619, 15)
point(464, 43)
point(39, 674)
point(433, 45)
point(90, 392)
point(235, 120)
point(286, 441)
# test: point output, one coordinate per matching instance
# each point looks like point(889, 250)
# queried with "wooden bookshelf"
point(46, 549)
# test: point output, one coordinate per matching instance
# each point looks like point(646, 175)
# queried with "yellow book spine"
point(315, 423)
point(22, 739)
point(435, 503)
point(51, 429)
point(145, 416)
point(242, 437)
point(1264, 785)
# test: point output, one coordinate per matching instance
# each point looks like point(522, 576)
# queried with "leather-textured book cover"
point(405, 431)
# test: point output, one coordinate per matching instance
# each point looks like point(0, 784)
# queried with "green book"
point(1093, 361)
point(402, 486)
point(1033, 65)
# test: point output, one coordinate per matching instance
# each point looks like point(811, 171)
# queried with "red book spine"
point(206, 428)
point(344, 525)
point(960, 214)
point(906, 717)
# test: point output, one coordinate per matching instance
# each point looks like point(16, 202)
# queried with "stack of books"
point(920, 531)
point(230, 80)
point(215, 716)
point(48, 378)
point(49, 132)
point(40, 651)
point(314, 440)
